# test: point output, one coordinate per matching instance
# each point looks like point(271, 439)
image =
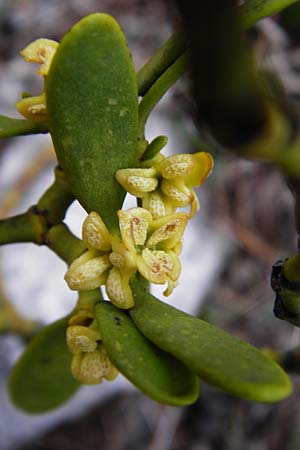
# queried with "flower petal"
point(118, 289)
point(91, 367)
point(41, 51)
point(95, 234)
point(89, 271)
point(134, 224)
point(179, 194)
point(168, 231)
point(176, 166)
point(154, 203)
point(137, 181)
point(158, 266)
point(80, 338)
point(33, 108)
point(203, 165)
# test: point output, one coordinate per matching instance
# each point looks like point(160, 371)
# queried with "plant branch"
point(158, 89)
point(254, 10)
point(160, 61)
point(56, 200)
point(62, 242)
point(26, 227)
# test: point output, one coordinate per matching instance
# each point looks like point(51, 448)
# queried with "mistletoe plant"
point(90, 106)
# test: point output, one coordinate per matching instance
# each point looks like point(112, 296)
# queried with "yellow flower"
point(169, 183)
point(40, 51)
point(90, 362)
point(148, 246)
point(154, 243)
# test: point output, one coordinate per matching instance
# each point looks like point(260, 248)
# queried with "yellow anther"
point(89, 271)
point(41, 51)
point(95, 234)
point(33, 108)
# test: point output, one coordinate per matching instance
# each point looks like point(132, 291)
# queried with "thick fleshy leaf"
point(217, 357)
point(41, 379)
point(157, 374)
point(17, 127)
point(92, 105)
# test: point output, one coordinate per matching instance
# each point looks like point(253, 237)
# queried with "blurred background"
point(245, 224)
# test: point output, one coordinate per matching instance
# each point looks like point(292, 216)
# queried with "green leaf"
point(217, 357)
point(15, 127)
point(41, 379)
point(154, 372)
point(92, 104)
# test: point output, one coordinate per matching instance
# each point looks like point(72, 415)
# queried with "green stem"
point(62, 242)
point(55, 201)
point(26, 227)
point(17, 127)
point(158, 89)
point(254, 10)
point(160, 61)
point(250, 12)
point(87, 299)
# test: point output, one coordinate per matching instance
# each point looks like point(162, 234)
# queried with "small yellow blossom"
point(148, 246)
point(169, 183)
point(40, 51)
point(90, 362)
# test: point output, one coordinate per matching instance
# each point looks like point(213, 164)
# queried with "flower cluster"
point(150, 236)
point(40, 51)
point(90, 362)
point(168, 184)
point(148, 246)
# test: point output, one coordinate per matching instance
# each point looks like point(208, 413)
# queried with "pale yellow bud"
point(154, 203)
point(91, 367)
point(41, 51)
point(80, 338)
point(180, 196)
point(87, 272)
point(176, 166)
point(95, 234)
point(137, 181)
point(33, 108)
point(118, 289)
